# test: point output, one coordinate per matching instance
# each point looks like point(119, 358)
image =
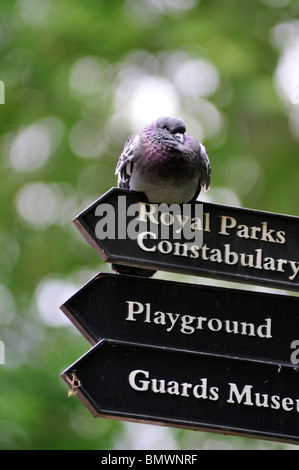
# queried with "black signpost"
point(185, 355)
point(193, 391)
point(184, 316)
point(230, 243)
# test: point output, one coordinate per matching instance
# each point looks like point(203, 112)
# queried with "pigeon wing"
point(206, 169)
point(204, 172)
point(124, 167)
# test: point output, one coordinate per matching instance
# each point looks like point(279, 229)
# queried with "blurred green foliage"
point(72, 72)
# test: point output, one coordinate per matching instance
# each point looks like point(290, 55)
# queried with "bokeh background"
point(80, 76)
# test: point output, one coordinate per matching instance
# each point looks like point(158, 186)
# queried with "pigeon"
point(166, 164)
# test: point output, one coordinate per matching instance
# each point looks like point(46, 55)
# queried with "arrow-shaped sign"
point(133, 382)
point(213, 240)
point(227, 322)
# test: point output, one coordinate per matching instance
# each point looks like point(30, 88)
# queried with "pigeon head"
point(172, 125)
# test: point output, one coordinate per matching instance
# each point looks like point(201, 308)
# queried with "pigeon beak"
point(180, 137)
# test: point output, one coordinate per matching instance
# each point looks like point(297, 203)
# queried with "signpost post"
point(200, 357)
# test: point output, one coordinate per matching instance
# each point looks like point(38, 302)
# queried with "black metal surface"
point(240, 245)
point(185, 355)
point(228, 322)
point(160, 386)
